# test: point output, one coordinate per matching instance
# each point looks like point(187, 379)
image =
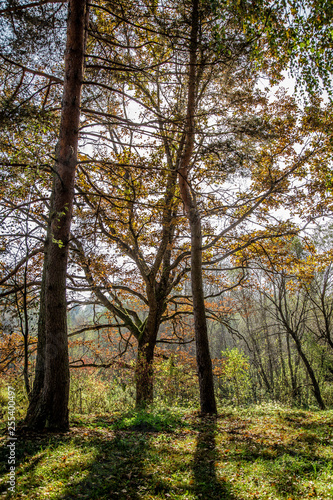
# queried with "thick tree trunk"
point(204, 363)
point(144, 370)
point(144, 373)
point(51, 408)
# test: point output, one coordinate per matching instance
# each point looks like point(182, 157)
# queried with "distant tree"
point(283, 276)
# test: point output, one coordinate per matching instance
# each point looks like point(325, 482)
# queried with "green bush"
point(175, 382)
point(234, 383)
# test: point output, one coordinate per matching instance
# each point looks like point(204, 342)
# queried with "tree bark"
point(204, 363)
point(51, 408)
point(144, 370)
point(144, 373)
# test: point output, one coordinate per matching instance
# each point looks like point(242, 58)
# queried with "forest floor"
point(264, 453)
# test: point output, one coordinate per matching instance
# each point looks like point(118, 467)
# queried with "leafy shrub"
point(175, 381)
point(234, 379)
point(153, 419)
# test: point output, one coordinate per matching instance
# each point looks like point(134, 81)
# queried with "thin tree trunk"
point(315, 385)
point(51, 409)
point(291, 369)
point(204, 363)
point(283, 365)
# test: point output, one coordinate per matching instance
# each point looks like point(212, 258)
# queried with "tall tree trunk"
point(204, 363)
point(51, 409)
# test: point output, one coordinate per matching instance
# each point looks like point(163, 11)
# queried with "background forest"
point(199, 237)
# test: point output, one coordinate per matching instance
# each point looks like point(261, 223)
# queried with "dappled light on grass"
point(272, 454)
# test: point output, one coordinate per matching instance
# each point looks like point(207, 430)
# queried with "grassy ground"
point(260, 453)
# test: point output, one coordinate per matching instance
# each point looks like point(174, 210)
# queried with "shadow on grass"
point(207, 485)
point(138, 455)
point(93, 464)
point(116, 471)
point(27, 451)
point(290, 472)
point(287, 467)
point(129, 466)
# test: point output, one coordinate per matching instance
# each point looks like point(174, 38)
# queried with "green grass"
point(268, 453)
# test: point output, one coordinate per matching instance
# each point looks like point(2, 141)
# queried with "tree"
point(50, 408)
point(145, 234)
point(28, 99)
point(174, 113)
point(174, 129)
point(204, 363)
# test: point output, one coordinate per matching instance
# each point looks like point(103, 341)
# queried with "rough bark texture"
point(51, 409)
point(204, 363)
point(144, 373)
point(144, 370)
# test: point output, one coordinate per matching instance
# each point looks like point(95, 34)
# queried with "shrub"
point(234, 380)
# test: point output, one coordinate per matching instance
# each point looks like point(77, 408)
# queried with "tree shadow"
point(206, 483)
point(134, 456)
point(286, 466)
point(117, 470)
point(117, 463)
point(28, 455)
